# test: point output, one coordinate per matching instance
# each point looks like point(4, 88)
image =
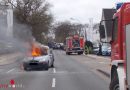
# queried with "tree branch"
point(9, 1)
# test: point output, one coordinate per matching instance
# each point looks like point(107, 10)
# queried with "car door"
point(116, 40)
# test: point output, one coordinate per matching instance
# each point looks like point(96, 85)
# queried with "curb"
point(16, 60)
point(8, 60)
point(97, 57)
point(104, 73)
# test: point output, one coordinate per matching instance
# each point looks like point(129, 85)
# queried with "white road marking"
point(54, 70)
point(53, 82)
point(10, 70)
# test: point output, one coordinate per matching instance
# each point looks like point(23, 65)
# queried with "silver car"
point(44, 61)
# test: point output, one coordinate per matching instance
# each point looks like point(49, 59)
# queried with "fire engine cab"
point(120, 44)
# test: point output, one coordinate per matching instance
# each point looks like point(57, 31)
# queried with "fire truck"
point(74, 44)
point(120, 44)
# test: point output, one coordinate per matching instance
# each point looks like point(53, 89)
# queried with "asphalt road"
point(69, 73)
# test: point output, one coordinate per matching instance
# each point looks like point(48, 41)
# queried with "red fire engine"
point(74, 44)
point(120, 44)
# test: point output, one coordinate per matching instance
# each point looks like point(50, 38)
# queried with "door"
point(115, 38)
point(128, 54)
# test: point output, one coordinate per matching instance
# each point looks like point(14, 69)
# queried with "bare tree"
point(34, 13)
point(65, 29)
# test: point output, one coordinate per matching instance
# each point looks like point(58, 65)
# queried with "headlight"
point(43, 60)
point(26, 59)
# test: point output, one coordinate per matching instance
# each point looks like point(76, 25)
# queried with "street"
point(70, 72)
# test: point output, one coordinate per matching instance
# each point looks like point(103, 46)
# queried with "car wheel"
point(69, 53)
point(114, 85)
point(47, 66)
point(52, 65)
point(27, 69)
point(79, 53)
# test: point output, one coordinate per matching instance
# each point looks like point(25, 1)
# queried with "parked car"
point(95, 50)
point(44, 61)
point(105, 51)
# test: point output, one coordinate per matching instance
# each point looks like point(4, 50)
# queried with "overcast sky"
point(80, 10)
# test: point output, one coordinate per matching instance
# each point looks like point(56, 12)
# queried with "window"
point(115, 29)
point(76, 43)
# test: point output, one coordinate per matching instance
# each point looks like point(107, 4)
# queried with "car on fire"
point(43, 61)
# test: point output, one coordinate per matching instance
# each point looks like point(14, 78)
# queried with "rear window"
point(76, 43)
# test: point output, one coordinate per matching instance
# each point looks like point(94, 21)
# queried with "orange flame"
point(36, 51)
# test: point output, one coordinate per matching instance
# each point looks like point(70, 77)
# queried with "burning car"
point(42, 58)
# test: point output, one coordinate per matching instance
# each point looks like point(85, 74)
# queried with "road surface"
point(71, 72)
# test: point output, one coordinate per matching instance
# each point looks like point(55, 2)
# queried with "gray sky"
point(80, 10)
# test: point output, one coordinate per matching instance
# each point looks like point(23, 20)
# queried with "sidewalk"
point(99, 57)
point(9, 58)
point(102, 64)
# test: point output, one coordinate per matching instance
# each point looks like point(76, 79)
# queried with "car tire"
point(27, 69)
point(47, 66)
point(114, 85)
point(79, 53)
point(52, 65)
point(69, 53)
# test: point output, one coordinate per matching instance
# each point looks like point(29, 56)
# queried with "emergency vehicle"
point(120, 44)
point(74, 44)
